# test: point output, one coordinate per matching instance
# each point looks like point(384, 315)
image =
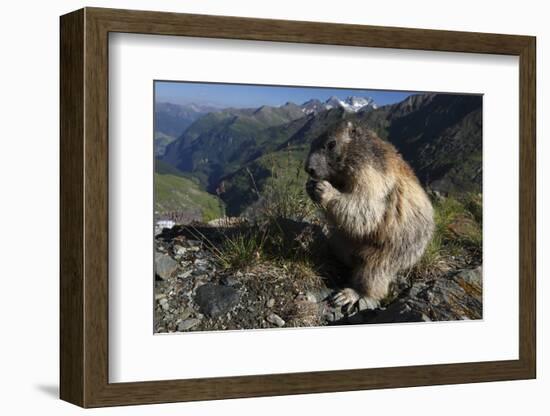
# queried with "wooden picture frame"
point(84, 207)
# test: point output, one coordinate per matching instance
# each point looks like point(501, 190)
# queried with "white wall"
point(29, 184)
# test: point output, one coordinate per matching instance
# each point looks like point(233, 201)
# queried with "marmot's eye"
point(331, 145)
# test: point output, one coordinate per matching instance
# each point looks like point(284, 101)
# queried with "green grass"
point(457, 236)
point(176, 193)
point(283, 192)
point(276, 221)
point(276, 177)
point(243, 249)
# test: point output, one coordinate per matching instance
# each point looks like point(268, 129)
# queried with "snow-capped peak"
point(357, 103)
point(351, 104)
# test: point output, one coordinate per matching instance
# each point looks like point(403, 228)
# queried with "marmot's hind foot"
point(346, 297)
point(352, 300)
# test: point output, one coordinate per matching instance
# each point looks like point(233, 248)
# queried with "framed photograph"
point(255, 207)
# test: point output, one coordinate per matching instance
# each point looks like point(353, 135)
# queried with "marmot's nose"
point(310, 171)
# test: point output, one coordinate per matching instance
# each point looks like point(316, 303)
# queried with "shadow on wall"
point(49, 390)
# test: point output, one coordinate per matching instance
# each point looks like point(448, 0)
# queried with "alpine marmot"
point(381, 219)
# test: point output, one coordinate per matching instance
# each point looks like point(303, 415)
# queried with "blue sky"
point(241, 95)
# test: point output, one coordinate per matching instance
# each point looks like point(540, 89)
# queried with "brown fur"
point(382, 220)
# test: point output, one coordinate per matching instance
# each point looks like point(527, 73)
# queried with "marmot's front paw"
point(320, 191)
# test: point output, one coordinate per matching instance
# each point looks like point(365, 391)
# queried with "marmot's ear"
point(351, 129)
point(348, 132)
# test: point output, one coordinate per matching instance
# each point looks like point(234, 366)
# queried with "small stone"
point(200, 274)
point(270, 303)
point(180, 251)
point(201, 264)
point(310, 297)
point(229, 281)
point(188, 324)
point(184, 314)
point(160, 296)
point(333, 314)
point(165, 266)
point(275, 319)
point(185, 274)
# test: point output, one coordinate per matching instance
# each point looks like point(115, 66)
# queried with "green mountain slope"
point(220, 143)
point(161, 141)
point(183, 197)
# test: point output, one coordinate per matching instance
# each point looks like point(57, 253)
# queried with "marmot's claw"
point(346, 297)
point(310, 189)
point(366, 303)
point(352, 302)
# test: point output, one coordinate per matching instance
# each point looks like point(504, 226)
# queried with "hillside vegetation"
point(180, 196)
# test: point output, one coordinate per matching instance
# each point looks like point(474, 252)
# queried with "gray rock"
point(229, 281)
point(275, 319)
point(215, 300)
point(188, 324)
point(165, 266)
point(472, 276)
point(457, 296)
point(270, 303)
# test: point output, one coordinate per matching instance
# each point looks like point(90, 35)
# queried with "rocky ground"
point(194, 293)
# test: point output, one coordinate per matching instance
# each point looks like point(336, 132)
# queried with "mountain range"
point(172, 119)
point(224, 150)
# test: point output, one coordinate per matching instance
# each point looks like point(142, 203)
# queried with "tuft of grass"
point(474, 204)
point(283, 193)
point(243, 248)
point(457, 237)
point(276, 231)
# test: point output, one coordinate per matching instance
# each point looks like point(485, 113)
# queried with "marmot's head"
point(339, 153)
point(327, 155)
